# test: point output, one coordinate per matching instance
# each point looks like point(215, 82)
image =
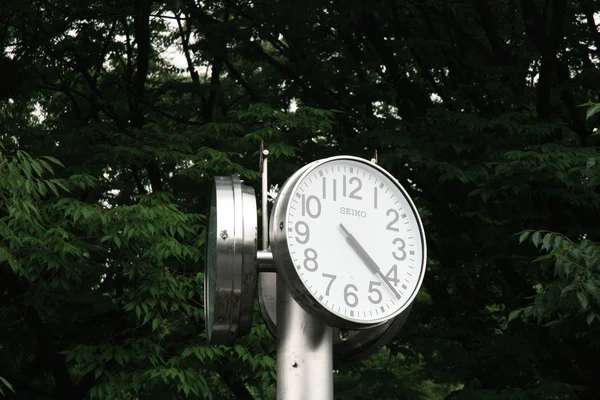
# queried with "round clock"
point(349, 242)
point(231, 260)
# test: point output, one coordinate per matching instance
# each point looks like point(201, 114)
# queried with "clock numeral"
point(310, 260)
point(332, 278)
point(352, 194)
point(333, 191)
point(400, 248)
point(351, 298)
point(392, 275)
point(304, 234)
point(307, 201)
point(390, 226)
point(373, 289)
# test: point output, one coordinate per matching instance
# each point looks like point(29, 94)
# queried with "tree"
point(472, 105)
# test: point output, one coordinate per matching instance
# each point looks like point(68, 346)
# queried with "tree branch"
point(185, 43)
point(405, 88)
point(552, 67)
point(490, 28)
point(142, 38)
point(217, 66)
point(238, 77)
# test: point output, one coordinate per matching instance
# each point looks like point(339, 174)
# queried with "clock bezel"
point(285, 264)
point(229, 285)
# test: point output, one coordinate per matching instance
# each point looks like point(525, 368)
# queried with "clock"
point(231, 260)
point(349, 242)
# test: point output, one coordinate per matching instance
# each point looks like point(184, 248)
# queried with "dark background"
point(475, 106)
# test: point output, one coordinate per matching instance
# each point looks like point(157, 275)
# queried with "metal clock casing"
point(283, 242)
point(231, 259)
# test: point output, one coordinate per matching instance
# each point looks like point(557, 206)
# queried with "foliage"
point(472, 105)
point(109, 271)
point(568, 292)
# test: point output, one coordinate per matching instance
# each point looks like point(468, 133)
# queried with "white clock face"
point(355, 240)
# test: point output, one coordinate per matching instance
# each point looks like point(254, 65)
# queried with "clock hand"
point(366, 258)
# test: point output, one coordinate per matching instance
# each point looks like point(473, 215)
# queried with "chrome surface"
point(267, 299)
point(265, 261)
point(304, 351)
point(264, 153)
point(230, 275)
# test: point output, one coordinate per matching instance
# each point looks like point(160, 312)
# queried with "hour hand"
point(362, 253)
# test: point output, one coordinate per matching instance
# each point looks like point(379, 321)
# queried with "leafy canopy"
point(472, 105)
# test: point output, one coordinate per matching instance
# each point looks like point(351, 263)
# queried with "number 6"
point(350, 298)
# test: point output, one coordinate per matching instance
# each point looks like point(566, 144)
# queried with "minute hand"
point(366, 258)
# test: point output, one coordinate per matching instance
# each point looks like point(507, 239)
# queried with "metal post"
point(304, 351)
point(265, 189)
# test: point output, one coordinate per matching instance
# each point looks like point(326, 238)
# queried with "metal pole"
point(264, 259)
point(304, 351)
point(265, 189)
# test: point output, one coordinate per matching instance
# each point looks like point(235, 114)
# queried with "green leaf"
point(7, 384)
point(41, 187)
point(524, 235)
point(590, 162)
point(592, 288)
point(53, 160)
point(513, 315)
point(552, 323)
point(52, 187)
point(38, 168)
point(590, 318)
point(61, 184)
point(592, 111)
point(535, 238)
point(147, 318)
point(567, 289)
point(583, 300)
point(547, 243)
